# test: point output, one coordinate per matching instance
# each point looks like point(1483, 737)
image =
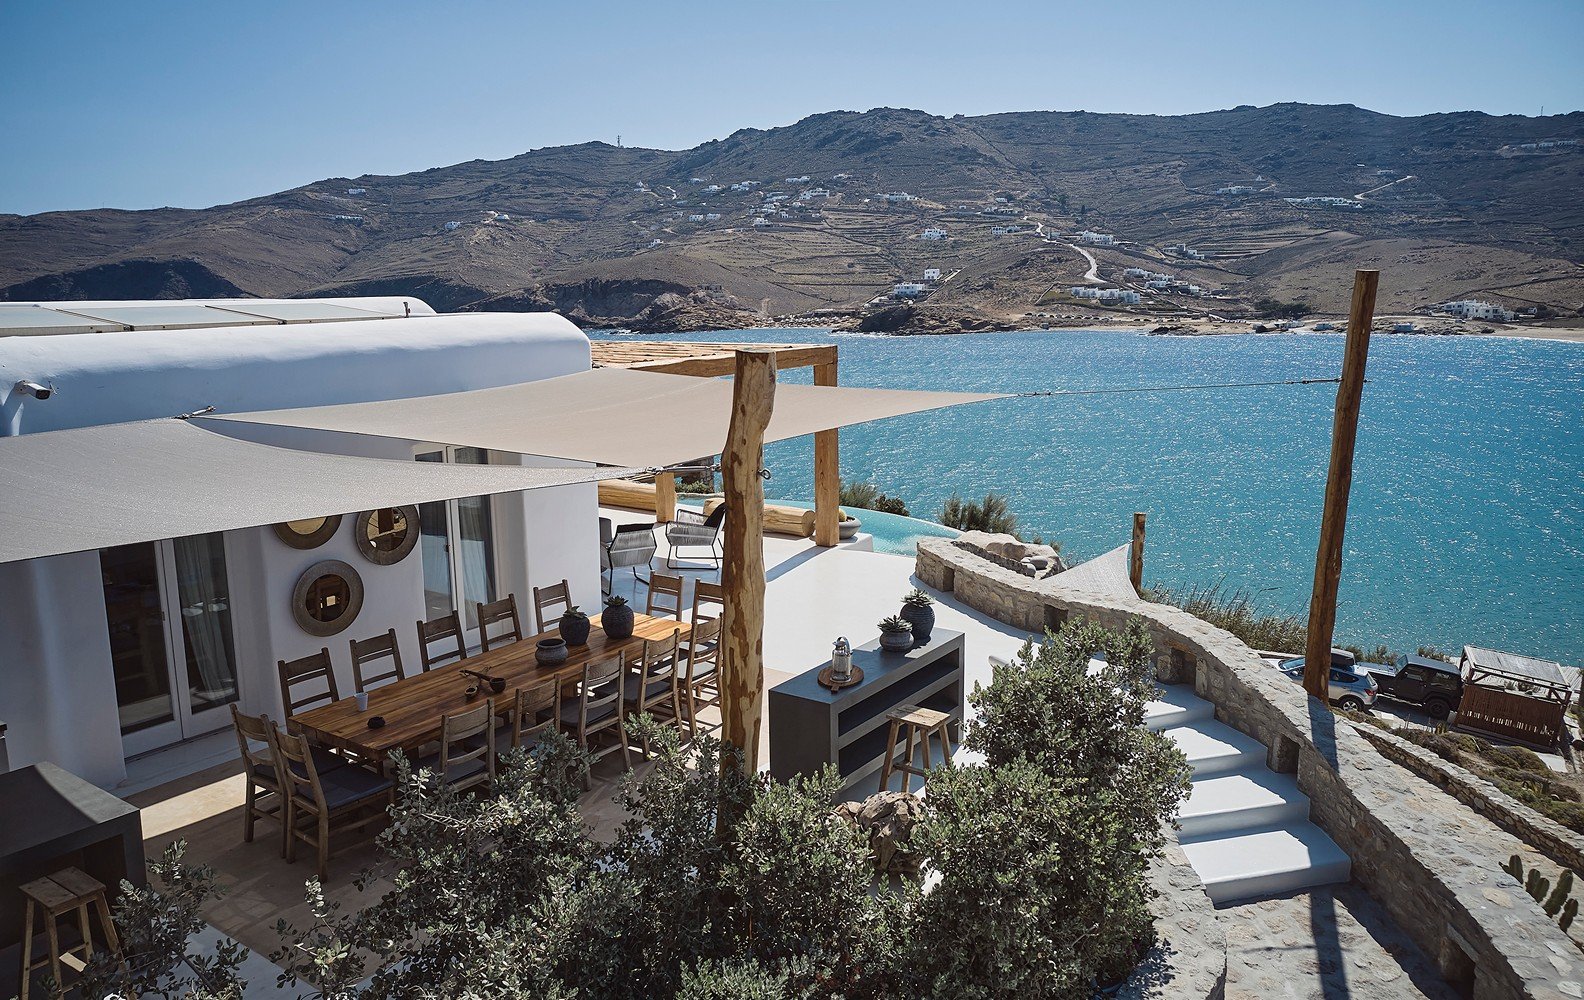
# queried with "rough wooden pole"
point(1339, 481)
point(827, 473)
point(742, 569)
point(665, 497)
point(1136, 553)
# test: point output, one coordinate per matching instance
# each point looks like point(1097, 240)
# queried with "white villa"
point(898, 196)
point(1477, 309)
point(907, 290)
point(1097, 239)
point(933, 234)
point(932, 274)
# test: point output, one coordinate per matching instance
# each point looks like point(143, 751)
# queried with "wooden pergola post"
point(1136, 553)
point(1339, 482)
point(665, 496)
point(742, 568)
point(827, 472)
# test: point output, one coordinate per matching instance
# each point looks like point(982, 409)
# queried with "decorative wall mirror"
point(327, 598)
point(308, 533)
point(386, 535)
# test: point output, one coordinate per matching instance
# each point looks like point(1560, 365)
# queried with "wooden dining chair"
point(701, 683)
point(655, 682)
point(665, 596)
point(370, 651)
point(307, 671)
point(263, 796)
point(494, 613)
point(446, 632)
point(466, 758)
point(709, 600)
point(545, 598)
point(533, 713)
point(321, 803)
point(593, 708)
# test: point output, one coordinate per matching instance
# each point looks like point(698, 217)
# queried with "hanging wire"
point(1175, 388)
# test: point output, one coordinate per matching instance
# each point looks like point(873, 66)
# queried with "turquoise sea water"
point(1467, 516)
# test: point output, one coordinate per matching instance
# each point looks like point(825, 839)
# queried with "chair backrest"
point(716, 518)
point(255, 742)
point(494, 613)
point(604, 682)
point(534, 711)
point(304, 672)
point(370, 651)
point(659, 661)
point(549, 597)
point(703, 650)
point(295, 765)
point(446, 630)
point(665, 596)
point(465, 737)
point(709, 600)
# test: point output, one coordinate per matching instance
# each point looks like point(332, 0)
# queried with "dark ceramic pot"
point(550, 652)
point(617, 621)
point(921, 618)
point(574, 630)
point(896, 642)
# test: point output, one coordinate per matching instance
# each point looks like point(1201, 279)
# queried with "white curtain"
point(206, 616)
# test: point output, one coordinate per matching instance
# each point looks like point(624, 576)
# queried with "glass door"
point(458, 543)
point(168, 607)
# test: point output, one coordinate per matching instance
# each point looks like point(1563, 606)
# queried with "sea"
point(1466, 523)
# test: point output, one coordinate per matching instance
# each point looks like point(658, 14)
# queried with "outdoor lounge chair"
point(626, 546)
point(693, 530)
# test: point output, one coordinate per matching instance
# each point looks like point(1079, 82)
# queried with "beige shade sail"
point(114, 484)
point(613, 416)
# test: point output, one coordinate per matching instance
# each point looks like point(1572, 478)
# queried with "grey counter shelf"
point(810, 727)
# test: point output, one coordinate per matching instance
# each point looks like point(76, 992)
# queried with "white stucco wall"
point(59, 685)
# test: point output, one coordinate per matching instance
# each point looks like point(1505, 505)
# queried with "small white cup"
point(362, 701)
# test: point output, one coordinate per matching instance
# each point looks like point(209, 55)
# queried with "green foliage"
point(1380, 654)
point(574, 614)
point(991, 515)
point(1514, 867)
point(615, 601)
point(918, 598)
point(1234, 611)
point(1559, 895)
point(895, 623)
point(1277, 309)
point(154, 923)
point(867, 496)
point(1569, 911)
point(1555, 902)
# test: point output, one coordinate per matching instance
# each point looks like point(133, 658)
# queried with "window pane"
point(478, 553)
point(434, 544)
point(137, 635)
point(205, 599)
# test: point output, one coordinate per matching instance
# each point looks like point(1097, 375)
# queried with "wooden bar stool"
point(914, 723)
point(54, 896)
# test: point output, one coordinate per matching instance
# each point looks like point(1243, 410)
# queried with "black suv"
point(1435, 685)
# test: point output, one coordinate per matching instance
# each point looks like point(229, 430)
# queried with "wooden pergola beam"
point(742, 566)
point(827, 470)
point(725, 363)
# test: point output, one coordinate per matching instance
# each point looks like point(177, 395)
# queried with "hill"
point(1448, 206)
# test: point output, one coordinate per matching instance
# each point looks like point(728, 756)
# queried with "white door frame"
point(453, 522)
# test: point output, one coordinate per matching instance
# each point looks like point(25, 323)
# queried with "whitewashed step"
point(1242, 800)
point(1213, 748)
point(1176, 705)
point(1263, 863)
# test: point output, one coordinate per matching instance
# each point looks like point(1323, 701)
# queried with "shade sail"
point(93, 487)
point(613, 416)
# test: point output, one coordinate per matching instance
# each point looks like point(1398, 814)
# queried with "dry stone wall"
point(1431, 861)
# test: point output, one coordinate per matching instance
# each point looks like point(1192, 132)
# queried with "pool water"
point(892, 533)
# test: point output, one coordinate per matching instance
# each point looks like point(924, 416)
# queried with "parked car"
point(1349, 687)
point(1434, 685)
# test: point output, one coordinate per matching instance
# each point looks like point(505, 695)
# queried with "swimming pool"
point(892, 533)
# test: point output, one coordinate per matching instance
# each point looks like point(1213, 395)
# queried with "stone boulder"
point(889, 819)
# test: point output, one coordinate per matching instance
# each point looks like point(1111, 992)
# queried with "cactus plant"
point(1559, 895)
point(1537, 885)
point(1569, 911)
point(1514, 867)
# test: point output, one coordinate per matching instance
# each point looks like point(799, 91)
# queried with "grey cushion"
point(346, 786)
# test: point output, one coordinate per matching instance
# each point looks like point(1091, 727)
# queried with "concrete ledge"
point(1432, 862)
point(1530, 825)
point(1189, 959)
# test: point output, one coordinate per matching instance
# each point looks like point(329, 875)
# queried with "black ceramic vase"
point(617, 621)
point(922, 618)
point(574, 629)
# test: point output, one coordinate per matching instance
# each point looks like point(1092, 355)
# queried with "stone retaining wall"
point(1189, 959)
point(1432, 862)
point(1531, 826)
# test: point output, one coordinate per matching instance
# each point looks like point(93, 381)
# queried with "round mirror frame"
point(311, 575)
point(313, 539)
point(385, 557)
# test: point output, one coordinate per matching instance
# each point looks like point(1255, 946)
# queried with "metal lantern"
point(841, 661)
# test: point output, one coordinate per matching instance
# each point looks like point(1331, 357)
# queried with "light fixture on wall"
point(27, 387)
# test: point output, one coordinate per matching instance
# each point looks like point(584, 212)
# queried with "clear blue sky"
point(139, 103)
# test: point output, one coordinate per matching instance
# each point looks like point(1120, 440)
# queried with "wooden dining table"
point(412, 707)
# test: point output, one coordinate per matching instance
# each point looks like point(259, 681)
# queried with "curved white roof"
point(140, 375)
point(24, 319)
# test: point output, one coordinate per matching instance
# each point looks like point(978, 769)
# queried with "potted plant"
point(574, 626)
point(896, 634)
point(848, 526)
point(919, 610)
point(617, 621)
